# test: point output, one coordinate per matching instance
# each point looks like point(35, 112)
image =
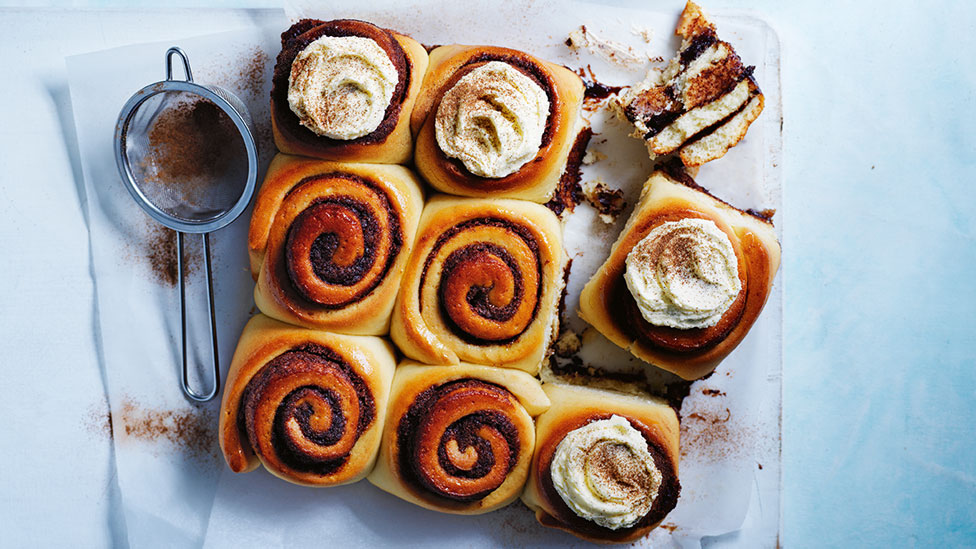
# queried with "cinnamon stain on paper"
point(98, 420)
point(192, 432)
point(160, 251)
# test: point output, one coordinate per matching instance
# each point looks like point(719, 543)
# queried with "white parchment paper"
point(730, 420)
point(165, 447)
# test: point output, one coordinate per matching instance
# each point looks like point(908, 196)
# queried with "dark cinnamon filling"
point(296, 39)
point(712, 128)
point(297, 405)
point(478, 298)
point(658, 108)
point(569, 193)
point(465, 433)
point(699, 44)
point(326, 244)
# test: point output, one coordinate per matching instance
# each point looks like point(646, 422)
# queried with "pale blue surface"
point(880, 374)
point(879, 261)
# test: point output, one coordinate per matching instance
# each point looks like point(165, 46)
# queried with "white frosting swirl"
point(683, 274)
point(605, 473)
point(492, 120)
point(341, 86)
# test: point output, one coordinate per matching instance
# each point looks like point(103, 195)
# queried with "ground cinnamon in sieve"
point(191, 144)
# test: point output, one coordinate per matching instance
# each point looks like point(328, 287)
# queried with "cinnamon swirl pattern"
point(606, 464)
point(495, 122)
point(328, 242)
point(482, 284)
point(308, 405)
point(458, 439)
point(344, 90)
point(685, 280)
point(702, 104)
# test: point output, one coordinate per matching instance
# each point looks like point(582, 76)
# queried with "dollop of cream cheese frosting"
point(492, 120)
point(683, 274)
point(605, 473)
point(340, 86)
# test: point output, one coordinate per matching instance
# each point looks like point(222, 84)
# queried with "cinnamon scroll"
point(308, 405)
point(328, 242)
point(606, 464)
point(482, 285)
point(458, 439)
point(495, 122)
point(686, 278)
point(702, 104)
point(344, 90)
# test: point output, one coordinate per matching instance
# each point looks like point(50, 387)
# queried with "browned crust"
point(658, 107)
point(295, 185)
point(692, 21)
point(264, 339)
point(570, 411)
point(608, 305)
point(390, 142)
point(480, 397)
point(561, 516)
point(678, 173)
point(518, 394)
point(284, 283)
point(427, 337)
point(565, 91)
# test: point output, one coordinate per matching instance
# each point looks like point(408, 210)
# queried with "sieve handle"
point(215, 381)
point(176, 50)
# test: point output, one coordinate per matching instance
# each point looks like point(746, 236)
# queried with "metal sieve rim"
point(129, 180)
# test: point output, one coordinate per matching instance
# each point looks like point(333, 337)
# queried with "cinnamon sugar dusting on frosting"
point(605, 473)
point(492, 120)
point(683, 274)
point(340, 86)
point(612, 464)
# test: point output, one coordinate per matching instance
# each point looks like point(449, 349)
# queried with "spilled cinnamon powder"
point(160, 252)
point(192, 431)
point(710, 434)
point(98, 420)
point(251, 76)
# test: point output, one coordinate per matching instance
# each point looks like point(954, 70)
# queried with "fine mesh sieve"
point(187, 155)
